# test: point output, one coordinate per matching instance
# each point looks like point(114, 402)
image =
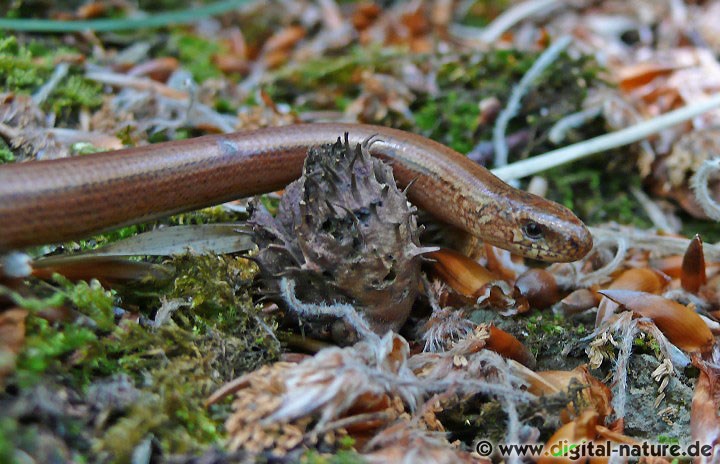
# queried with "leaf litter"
point(105, 364)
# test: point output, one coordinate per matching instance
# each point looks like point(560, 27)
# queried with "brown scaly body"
point(57, 200)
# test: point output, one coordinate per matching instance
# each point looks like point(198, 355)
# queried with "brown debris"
point(681, 325)
point(693, 275)
point(12, 339)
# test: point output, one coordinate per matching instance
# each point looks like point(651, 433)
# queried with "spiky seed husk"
point(346, 235)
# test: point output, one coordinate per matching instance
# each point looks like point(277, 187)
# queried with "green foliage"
point(451, 116)
point(216, 288)
point(90, 299)
point(23, 69)
point(8, 428)
point(460, 115)
point(544, 323)
point(196, 54)
point(177, 365)
point(6, 155)
point(46, 347)
point(647, 344)
point(76, 92)
point(544, 329)
point(337, 76)
point(341, 457)
point(17, 70)
point(170, 408)
point(598, 190)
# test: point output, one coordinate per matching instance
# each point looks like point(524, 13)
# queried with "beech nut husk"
point(344, 234)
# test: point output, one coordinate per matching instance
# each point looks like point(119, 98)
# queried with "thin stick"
point(616, 139)
point(514, 15)
point(701, 187)
point(188, 15)
point(518, 92)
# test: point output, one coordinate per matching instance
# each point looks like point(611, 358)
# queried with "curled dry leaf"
point(12, 338)
point(594, 393)
point(580, 300)
point(405, 444)
point(475, 283)
point(539, 287)
point(641, 280)
point(461, 273)
point(157, 69)
point(681, 325)
point(508, 346)
point(693, 274)
point(634, 76)
point(12, 329)
point(583, 428)
point(109, 271)
point(704, 420)
point(500, 262)
point(278, 405)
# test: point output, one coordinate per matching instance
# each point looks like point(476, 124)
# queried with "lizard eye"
point(532, 230)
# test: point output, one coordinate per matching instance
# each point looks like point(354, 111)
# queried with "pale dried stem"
point(700, 185)
point(616, 139)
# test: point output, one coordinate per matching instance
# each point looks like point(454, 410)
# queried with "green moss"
point(6, 155)
point(643, 343)
point(451, 115)
point(460, 116)
point(170, 409)
point(196, 54)
point(546, 335)
point(597, 190)
point(217, 290)
point(8, 428)
point(341, 457)
point(18, 72)
point(92, 300)
point(24, 68)
point(708, 230)
point(337, 76)
point(76, 92)
point(49, 346)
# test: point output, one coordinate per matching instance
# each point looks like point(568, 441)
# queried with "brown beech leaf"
point(681, 325)
point(580, 300)
point(539, 287)
point(508, 346)
point(595, 393)
point(669, 265)
point(284, 39)
point(109, 270)
point(583, 428)
point(693, 274)
point(12, 329)
point(634, 76)
point(704, 420)
point(12, 339)
point(641, 280)
point(461, 273)
point(157, 69)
